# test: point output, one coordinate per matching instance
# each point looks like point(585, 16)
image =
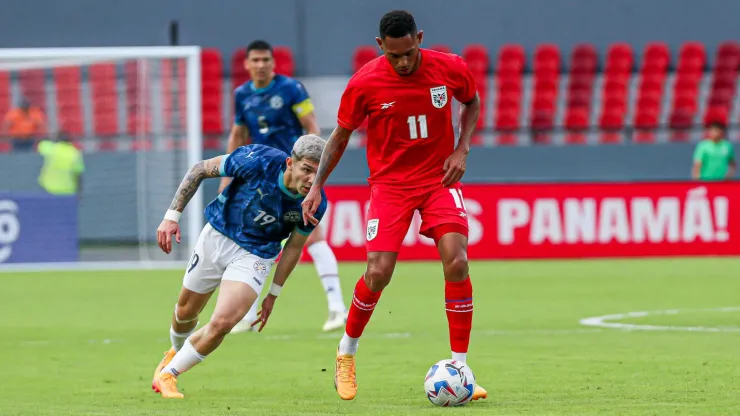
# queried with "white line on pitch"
point(602, 321)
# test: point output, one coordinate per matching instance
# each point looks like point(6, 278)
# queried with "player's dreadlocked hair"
point(259, 45)
point(397, 24)
point(308, 147)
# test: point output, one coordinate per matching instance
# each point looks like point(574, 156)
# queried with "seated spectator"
point(24, 125)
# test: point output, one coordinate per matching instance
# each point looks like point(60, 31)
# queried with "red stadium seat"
point(33, 87)
point(646, 118)
point(363, 55)
point(721, 97)
point(138, 76)
point(547, 60)
point(284, 63)
point(612, 119)
point(211, 78)
point(69, 104)
point(686, 83)
point(616, 103)
point(619, 59)
point(511, 61)
point(477, 59)
point(239, 74)
point(685, 101)
point(726, 63)
point(729, 48)
point(691, 58)
point(681, 119)
point(104, 99)
point(507, 119)
point(716, 114)
point(175, 105)
point(577, 119)
point(656, 51)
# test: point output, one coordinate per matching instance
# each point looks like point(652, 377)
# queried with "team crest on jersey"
point(261, 268)
point(292, 216)
point(372, 229)
point(276, 102)
point(439, 96)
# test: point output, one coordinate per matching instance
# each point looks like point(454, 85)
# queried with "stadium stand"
point(608, 92)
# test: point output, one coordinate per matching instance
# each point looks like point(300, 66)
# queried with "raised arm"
point(238, 137)
point(210, 168)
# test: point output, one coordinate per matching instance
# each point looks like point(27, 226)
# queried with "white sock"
point(184, 360)
point(460, 356)
point(178, 339)
point(251, 315)
point(328, 270)
point(348, 345)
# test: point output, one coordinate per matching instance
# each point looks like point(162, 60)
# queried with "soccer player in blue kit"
point(236, 249)
point(274, 110)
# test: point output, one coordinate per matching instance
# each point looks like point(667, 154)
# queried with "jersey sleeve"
point(301, 103)
point(699, 152)
point(730, 153)
point(307, 229)
point(465, 88)
point(352, 109)
point(241, 163)
point(45, 147)
point(238, 113)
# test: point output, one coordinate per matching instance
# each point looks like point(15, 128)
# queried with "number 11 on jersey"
point(415, 133)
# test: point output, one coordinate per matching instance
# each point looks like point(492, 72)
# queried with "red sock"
point(363, 305)
point(459, 306)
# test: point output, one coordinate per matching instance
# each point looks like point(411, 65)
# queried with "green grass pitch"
point(86, 343)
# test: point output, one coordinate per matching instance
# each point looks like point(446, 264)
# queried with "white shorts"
point(217, 257)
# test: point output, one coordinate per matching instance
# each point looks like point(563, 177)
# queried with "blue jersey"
point(256, 210)
point(271, 114)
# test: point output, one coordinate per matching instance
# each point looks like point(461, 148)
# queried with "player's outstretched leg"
point(234, 299)
point(452, 248)
point(245, 325)
point(328, 271)
point(184, 321)
point(380, 267)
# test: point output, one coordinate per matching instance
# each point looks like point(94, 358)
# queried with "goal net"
point(135, 114)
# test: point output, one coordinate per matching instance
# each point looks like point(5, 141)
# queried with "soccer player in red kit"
point(414, 164)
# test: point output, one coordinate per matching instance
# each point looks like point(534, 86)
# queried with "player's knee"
point(185, 312)
point(222, 325)
point(456, 269)
point(378, 276)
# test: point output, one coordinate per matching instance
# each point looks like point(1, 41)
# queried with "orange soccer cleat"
point(479, 393)
point(345, 378)
point(168, 356)
point(166, 384)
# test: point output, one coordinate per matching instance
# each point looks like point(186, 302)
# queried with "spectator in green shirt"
point(714, 158)
point(63, 167)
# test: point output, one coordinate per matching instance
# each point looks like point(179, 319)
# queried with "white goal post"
point(140, 141)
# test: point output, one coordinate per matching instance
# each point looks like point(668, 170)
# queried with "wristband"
point(275, 290)
point(173, 215)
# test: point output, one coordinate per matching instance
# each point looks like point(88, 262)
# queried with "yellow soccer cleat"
point(166, 384)
point(168, 356)
point(345, 378)
point(479, 393)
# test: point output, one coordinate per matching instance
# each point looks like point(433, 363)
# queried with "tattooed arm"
point(333, 151)
point(210, 168)
point(204, 169)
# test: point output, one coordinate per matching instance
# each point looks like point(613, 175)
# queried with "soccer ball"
point(449, 383)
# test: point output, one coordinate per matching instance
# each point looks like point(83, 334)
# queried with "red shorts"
point(392, 209)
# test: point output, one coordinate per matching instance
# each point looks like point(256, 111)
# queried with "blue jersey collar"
point(261, 90)
point(285, 190)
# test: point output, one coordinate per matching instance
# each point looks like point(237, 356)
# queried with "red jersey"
point(409, 133)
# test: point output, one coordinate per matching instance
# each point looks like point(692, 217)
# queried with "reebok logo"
point(387, 105)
